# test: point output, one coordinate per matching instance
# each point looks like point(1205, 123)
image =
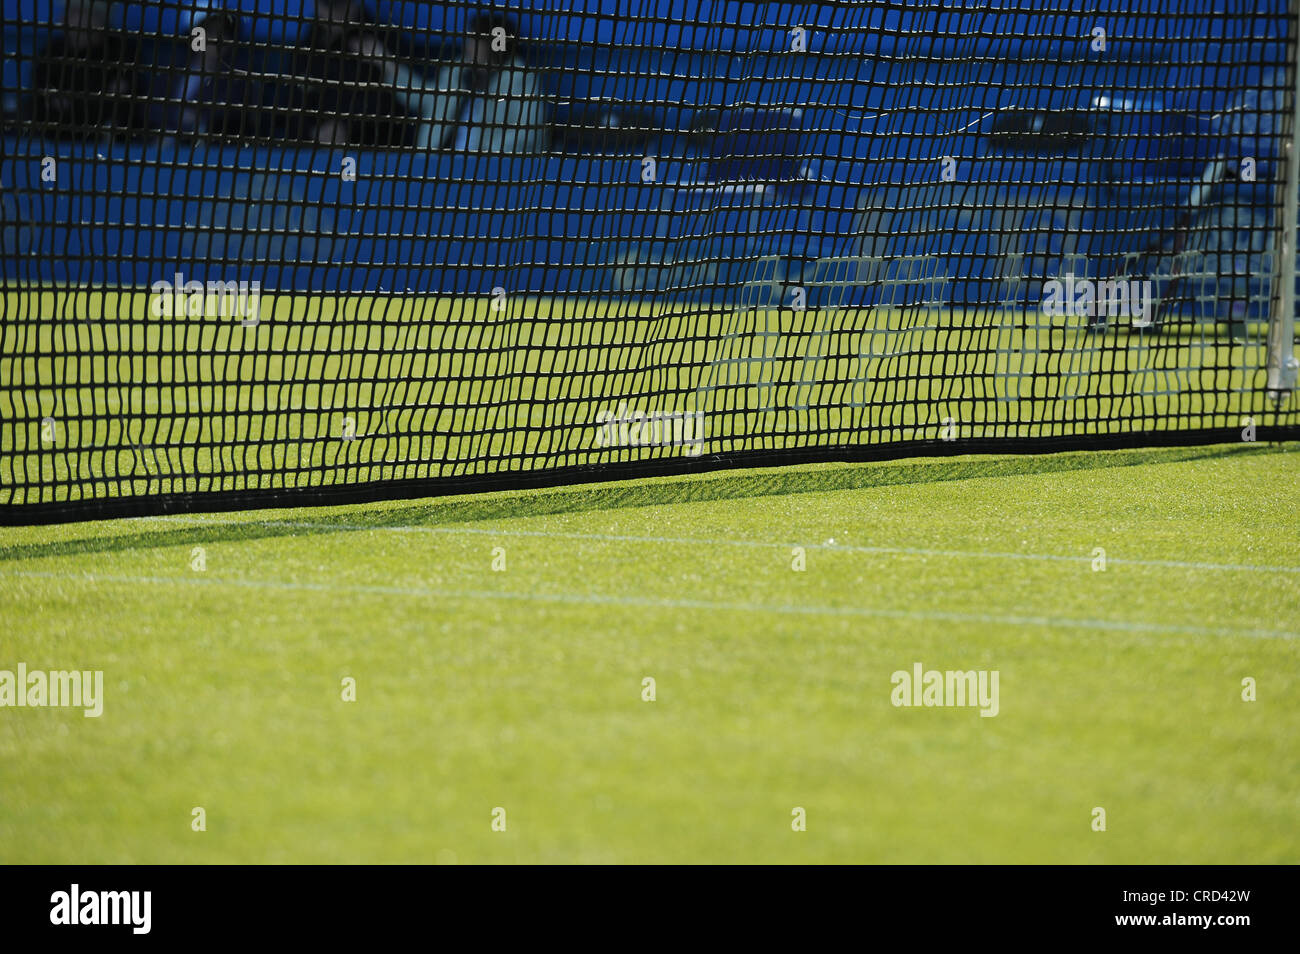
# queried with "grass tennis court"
point(341, 389)
point(521, 688)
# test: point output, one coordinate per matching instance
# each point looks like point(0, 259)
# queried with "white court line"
point(708, 541)
point(596, 599)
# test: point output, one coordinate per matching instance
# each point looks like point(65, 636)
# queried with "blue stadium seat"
point(270, 21)
point(162, 17)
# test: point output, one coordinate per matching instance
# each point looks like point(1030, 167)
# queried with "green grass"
point(522, 689)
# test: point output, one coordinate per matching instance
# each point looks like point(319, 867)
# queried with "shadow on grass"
point(724, 485)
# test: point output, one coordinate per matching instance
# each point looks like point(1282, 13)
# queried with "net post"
point(1282, 363)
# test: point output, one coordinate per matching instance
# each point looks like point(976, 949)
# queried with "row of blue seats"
point(668, 87)
point(749, 26)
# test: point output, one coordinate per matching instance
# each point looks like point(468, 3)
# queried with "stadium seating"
point(817, 157)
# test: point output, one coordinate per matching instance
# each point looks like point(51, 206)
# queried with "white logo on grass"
point(103, 907)
point(178, 298)
point(1088, 298)
point(636, 428)
point(53, 689)
point(933, 687)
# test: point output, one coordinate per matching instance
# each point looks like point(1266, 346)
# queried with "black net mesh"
point(259, 252)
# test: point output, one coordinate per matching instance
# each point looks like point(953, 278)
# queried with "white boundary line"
point(596, 599)
point(762, 544)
